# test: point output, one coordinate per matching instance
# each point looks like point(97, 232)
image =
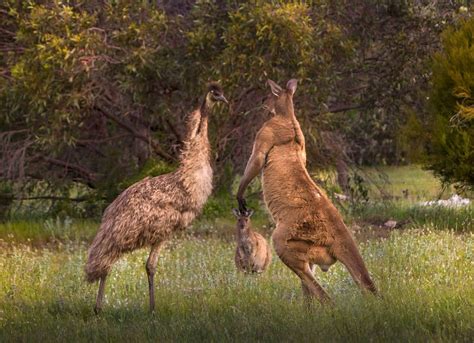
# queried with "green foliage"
point(451, 154)
point(258, 40)
point(91, 91)
point(410, 137)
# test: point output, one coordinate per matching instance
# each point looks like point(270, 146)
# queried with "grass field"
point(424, 270)
point(425, 277)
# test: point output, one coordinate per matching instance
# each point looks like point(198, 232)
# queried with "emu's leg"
point(347, 252)
point(100, 295)
point(150, 270)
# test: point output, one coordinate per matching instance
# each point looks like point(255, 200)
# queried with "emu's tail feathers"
point(102, 255)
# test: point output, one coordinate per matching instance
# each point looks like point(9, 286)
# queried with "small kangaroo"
point(309, 229)
point(253, 253)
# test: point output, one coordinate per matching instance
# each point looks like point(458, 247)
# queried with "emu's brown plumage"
point(147, 213)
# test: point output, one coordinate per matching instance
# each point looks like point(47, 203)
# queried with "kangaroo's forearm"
point(254, 166)
point(300, 139)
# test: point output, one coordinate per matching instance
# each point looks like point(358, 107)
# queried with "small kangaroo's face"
point(243, 219)
point(280, 101)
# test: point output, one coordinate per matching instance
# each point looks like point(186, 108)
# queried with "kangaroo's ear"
point(291, 86)
point(236, 212)
point(249, 213)
point(276, 90)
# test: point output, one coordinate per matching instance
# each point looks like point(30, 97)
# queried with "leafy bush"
point(91, 91)
point(451, 154)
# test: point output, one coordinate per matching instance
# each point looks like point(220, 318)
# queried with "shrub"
point(451, 154)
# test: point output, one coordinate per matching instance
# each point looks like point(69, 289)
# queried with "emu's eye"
point(213, 92)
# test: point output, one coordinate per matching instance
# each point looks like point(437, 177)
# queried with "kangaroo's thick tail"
point(102, 255)
point(350, 256)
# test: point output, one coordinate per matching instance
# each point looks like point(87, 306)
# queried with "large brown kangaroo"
point(309, 229)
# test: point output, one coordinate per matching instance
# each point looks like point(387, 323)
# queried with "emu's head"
point(280, 101)
point(243, 219)
point(215, 93)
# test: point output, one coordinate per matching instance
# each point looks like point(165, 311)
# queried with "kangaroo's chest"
point(245, 246)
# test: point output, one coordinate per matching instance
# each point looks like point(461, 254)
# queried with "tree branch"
point(343, 108)
point(89, 175)
point(48, 197)
point(176, 132)
point(127, 126)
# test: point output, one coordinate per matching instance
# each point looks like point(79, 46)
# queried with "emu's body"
point(309, 229)
point(148, 212)
point(253, 252)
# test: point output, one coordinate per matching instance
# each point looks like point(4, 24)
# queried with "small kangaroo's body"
point(252, 253)
point(309, 228)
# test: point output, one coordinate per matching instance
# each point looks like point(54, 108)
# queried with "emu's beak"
point(222, 98)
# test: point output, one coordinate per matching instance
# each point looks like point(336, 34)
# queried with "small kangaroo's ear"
point(249, 213)
point(276, 90)
point(236, 212)
point(291, 86)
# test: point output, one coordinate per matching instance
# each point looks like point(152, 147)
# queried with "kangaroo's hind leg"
point(346, 252)
point(306, 290)
point(293, 254)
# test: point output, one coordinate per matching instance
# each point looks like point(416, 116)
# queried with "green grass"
point(50, 230)
point(412, 216)
point(425, 272)
point(425, 278)
point(393, 180)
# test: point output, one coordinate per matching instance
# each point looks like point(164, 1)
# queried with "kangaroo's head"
point(243, 219)
point(280, 101)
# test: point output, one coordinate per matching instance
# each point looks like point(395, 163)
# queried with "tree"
point(93, 94)
point(451, 154)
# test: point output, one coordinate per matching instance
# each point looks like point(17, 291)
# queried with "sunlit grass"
point(393, 180)
point(425, 278)
point(47, 230)
point(439, 218)
point(425, 272)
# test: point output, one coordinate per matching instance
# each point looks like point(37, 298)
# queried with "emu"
point(253, 253)
point(309, 229)
point(149, 211)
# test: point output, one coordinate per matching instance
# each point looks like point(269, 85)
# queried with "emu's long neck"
point(196, 149)
point(196, 135)
point(195, 170)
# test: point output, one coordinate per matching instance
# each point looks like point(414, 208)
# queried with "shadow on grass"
point(355, 318)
